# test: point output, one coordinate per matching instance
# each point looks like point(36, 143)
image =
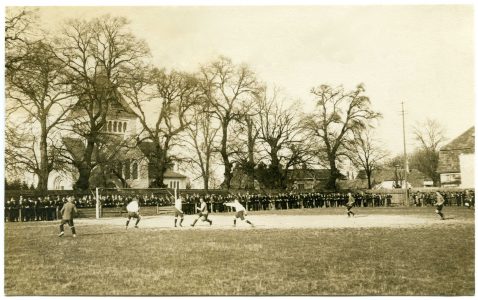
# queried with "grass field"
point(422, 258)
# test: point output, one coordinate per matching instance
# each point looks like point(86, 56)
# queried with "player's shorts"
point(67, 221)
point(349, 206)
point(132, 214)
point(203, 215)
point(240, 214)
point(439, 208)
point(178, 213)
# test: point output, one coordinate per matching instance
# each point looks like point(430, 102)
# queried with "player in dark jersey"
point(67, 212)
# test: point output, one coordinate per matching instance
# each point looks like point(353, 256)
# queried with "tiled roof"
point(466, 141)
point(118, 107)
point(449, 161)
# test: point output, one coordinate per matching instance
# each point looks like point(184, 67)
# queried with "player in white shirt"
point(203, 213)
point(178, 211)
point(240, 212)
point(133, 212)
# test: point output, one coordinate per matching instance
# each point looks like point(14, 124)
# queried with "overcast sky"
point(422, 55)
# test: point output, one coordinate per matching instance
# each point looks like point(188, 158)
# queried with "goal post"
point(97, 204)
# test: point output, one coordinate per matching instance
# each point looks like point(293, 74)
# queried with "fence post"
point(157, 208)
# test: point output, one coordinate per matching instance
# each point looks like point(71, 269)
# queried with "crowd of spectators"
point(46, 208)
point(452, 198)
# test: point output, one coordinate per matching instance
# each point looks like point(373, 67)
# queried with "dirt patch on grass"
point(166, 222)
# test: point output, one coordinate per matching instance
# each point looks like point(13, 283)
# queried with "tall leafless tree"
point(228, 86)
point(279, 132)
point(38, 90)
point(163, 102)
point(202, 133)
point(430, 136)
point(98, 53)
point(337, 113)
point(365, 153)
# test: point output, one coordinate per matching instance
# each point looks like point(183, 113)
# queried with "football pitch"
point(381, 251)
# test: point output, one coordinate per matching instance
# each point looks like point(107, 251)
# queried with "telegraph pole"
point(405, 160)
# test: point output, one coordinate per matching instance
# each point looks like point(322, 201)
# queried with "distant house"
point(391, 178)
point(297, 179)
point(457, 160)
point(308, 179)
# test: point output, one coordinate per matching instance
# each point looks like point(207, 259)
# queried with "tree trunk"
point(225, 158)
point(331, 182)
point(84, 168)
point(44, 170)
point(369, 179)
point(206, 182)
point(276, 167)
point(83, 180)
point(250, 154)
point(161, 166)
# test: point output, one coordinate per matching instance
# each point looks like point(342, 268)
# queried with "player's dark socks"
point(194, 222)
point(210, 222)
point(181, 222)
point(73, 229)
point(127, 223)
point(137, 221)
point(249, 222)
point(175, 221)
point(61, 228)
point(234, 222)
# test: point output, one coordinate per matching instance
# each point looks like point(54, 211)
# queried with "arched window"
point(114, 126)
point(135, 170)
point(109, 126)
point(124, 127)
point(127, 170)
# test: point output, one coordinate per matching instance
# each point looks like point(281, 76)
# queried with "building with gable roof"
point(131, 164)
point(456, 164)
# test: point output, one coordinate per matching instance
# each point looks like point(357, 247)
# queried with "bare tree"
point(338, 112)
point(365, 153)
point(98, 53)
point(430, 136)
point(38, 90)
point(20, 31)
point(279, 131)
point(163, 102)
point(226, 87)
point(202, 133)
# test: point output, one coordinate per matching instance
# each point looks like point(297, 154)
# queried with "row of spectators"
point(455, 198)
point(46, 208)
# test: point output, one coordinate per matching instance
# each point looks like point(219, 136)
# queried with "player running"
point(67, 212)
point(133, 212)
point(178, 211)
point(350, 204)
point(240, 211)
point(440, 201)
point(203, 213)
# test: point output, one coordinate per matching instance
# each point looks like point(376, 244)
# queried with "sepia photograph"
point(239, 150)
